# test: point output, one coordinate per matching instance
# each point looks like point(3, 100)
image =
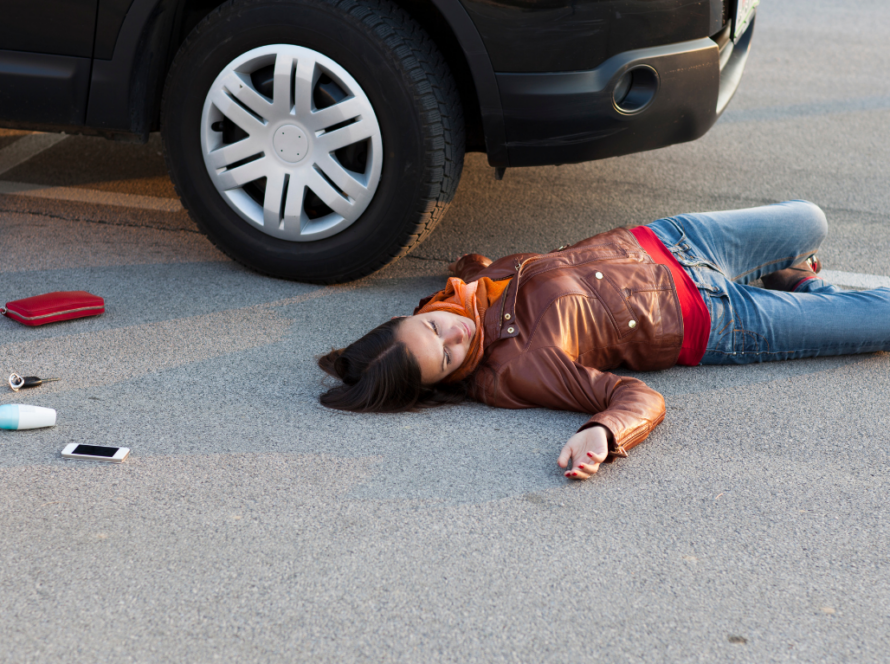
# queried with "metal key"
point(17, 382)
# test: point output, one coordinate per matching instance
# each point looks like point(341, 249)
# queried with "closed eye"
point(444, 350)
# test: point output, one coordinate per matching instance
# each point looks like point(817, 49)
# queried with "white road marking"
point(94, 196)
point(25, 148)
point(855, 280)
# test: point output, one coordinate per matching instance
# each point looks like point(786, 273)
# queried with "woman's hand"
point(477, 261)
point(454, 268)
point(587, 450)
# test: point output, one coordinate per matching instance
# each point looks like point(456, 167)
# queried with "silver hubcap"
point(291, 142)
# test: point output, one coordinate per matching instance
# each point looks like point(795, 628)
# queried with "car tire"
point(322, 212)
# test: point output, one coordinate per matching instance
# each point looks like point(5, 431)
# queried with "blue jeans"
point(724, 251)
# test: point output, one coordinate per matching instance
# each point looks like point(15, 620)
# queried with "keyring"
point(16, 382)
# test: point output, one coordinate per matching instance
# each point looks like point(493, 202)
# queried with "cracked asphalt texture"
point(252, 525)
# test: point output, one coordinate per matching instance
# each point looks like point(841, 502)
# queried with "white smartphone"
point(95, 452)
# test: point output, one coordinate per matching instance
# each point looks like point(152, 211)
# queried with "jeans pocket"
point(728, 336)
point(669, 234)
point(750, 343)
point(722, 337)
point(692, 261)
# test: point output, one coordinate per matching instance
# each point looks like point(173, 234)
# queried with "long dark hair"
point(380, 375)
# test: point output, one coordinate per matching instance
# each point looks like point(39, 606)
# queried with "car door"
point(45, 53)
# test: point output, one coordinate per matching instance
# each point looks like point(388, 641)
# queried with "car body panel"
point(37, 89)
point(537, 67)
point(570, 117)
point(484, 78)
point(49, 27)
point(125, 89)
point(108, 26)
point(45, 61)
point(574, 35)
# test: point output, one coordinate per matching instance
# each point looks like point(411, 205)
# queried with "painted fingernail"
point(590, 454)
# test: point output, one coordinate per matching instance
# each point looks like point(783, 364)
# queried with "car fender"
point(483, 77)
point(125, 89)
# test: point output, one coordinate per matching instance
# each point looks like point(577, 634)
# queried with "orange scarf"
point(472, 301)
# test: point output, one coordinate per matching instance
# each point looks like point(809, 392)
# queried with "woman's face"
point(439, 341)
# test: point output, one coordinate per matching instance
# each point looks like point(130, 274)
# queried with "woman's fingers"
point(593, 457)
point(582, 471)
point(565, 455)
point(586, 450)
point(582, 466)
point(576, 474)
point(585, 470)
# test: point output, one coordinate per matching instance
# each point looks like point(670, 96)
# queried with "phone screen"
point(95, 450)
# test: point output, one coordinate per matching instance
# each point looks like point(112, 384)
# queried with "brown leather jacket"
point(568, 316)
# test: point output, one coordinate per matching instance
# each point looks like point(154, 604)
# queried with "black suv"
point(319, 140)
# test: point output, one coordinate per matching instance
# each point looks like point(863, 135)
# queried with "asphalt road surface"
point(252, 525)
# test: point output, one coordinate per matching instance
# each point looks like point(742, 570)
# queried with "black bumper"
point(570, 117)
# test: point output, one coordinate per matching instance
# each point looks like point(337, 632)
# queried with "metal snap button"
point(632, 324)
point(511, 330)
point(598, 275)
point(507, 316)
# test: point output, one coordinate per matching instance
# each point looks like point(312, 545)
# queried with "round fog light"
point(635, 90)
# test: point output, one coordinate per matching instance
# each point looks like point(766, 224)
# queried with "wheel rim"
point(291, 142)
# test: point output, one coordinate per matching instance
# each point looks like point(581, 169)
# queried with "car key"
point(17, 382)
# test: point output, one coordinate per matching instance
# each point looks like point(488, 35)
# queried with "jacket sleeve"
point(471, 265)
point(626, 407)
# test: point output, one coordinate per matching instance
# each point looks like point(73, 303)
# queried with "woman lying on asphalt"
point(541, 330)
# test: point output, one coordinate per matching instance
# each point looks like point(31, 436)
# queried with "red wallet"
point(54, 307)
